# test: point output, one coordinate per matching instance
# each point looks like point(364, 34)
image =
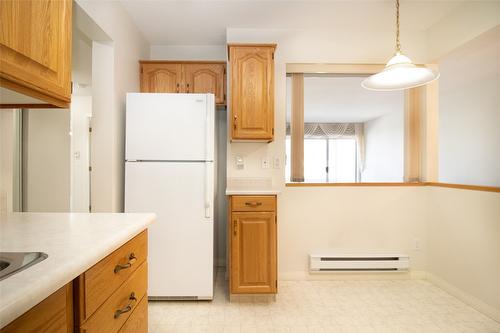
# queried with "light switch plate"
point(240, 163)
point(265, 163)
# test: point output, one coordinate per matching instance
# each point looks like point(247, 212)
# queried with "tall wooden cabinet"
point(252, 91)
point(252, 243)
point(184, 77)
point(35, 49)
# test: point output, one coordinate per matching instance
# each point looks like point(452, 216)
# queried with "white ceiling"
point(204, 22)
point(342, 99)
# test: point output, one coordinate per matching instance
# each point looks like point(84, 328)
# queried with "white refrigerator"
point(169, 170)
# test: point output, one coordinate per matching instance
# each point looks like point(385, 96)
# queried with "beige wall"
point(464, 245)
point(349, 219)
point(469, 112)
point(6, 160)
point(108, 139)
point(46, 150)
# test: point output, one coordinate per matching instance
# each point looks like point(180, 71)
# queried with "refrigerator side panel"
point(181, 239)
point(167, 127)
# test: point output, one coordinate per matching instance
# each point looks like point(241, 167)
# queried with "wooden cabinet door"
point(161, 78)
point(252, 92)
point(54, 314)
point(35, 49)
point(205, 78)
point(253, 252)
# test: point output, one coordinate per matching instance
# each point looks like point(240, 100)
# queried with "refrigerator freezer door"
point(170, 127)
point(181, 240)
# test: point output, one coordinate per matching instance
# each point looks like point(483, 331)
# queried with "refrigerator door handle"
point(208, 190)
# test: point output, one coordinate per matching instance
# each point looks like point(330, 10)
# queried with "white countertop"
point(74, 242)
point(251, 192)
point(250, 186)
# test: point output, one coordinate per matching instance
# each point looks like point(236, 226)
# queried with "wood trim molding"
point(28, 106)
point(34, 92)
point(465, 187)
point(222, 62)
point(297, 128)
point(351, 184)
point(435, 184)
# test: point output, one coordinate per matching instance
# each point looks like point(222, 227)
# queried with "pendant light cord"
point(398, 44)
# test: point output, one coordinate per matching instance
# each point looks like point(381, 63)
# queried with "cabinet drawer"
point(246, 203)
point(102, 279)
point(113, 314)
point(138, 320)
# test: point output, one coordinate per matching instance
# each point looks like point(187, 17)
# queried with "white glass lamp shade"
point(400, 73)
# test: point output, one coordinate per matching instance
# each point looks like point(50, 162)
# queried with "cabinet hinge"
point(90, 129)
point(276, 283)
point(272, 130)
point(273, 55)
point(90, 208)
point(275, 219)
point(90, 168)
point(224, 70)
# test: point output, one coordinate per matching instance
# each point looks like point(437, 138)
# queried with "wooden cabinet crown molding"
point(35, 49)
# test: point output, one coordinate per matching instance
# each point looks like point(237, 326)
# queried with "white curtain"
point(337, 131)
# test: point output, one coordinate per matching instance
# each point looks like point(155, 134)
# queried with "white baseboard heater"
point(358, 262)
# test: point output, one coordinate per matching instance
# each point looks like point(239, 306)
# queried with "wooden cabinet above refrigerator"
point(184, 77)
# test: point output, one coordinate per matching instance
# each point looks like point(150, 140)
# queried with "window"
point(327, 160)
point(343, 133)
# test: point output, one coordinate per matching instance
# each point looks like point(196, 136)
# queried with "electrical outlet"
point(417, 244)
point(265, 163)
point(276, 162)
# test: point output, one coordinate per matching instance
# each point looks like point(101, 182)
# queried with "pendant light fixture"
point(400, 72)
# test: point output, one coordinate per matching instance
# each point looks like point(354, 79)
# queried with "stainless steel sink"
point(14, 262)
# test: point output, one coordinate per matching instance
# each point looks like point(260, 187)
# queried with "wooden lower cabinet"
point(109, 297)
point(53, 314)
point(108, 294)
point(252, 239)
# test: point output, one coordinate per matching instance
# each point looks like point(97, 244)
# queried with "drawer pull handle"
point(253, 204)
point(131, 260)
point(129, 306)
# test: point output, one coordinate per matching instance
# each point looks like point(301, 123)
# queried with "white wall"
point(316, 219)
point(46, 150)
point(464, 245)
point(309, 46)
point(108, 145)
point(324, 218)
point(384, 147)
point(6, 160)
point(189, 52)
point(469, 112)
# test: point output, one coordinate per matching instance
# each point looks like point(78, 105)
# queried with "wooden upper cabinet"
point(184, 77)
point(35, 49)
point(161, 78)
point(205, 78)
point(252, 91)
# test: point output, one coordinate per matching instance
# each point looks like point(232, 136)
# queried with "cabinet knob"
point(177, 88)
point(187, 87)
point(235, 229)
point(235, 121)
